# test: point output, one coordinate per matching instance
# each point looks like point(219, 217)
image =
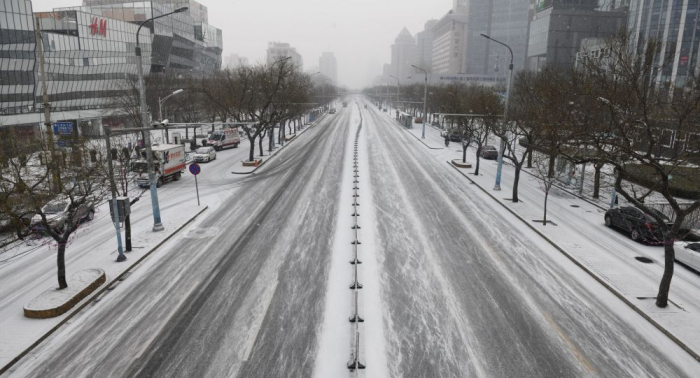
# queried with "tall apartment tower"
point(424, 47)
point(402, 55)
point(328, 66)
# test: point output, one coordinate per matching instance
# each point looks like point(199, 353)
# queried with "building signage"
point(63, 128)
point(98, 27)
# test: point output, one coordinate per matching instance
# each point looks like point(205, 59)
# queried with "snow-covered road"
point(463, 290)
point(469, 293)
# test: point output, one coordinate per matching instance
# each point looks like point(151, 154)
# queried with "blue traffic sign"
point(63, 128)
point(195, 169)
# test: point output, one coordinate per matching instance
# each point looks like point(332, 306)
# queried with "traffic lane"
point(96, 346)
point(515, 313)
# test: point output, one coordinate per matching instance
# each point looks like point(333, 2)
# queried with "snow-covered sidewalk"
point(580, 234)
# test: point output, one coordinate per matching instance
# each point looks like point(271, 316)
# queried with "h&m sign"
point(98, 26)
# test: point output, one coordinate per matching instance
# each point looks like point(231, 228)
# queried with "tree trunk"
point(544, 219)
point(516, 180)
point(529, 159)
point(464, 154)
point(669, 261)
point(61, 262)
point(596, 180)
point(251, 153)
point(127, 232)
point(476, 171)
point(552, 160)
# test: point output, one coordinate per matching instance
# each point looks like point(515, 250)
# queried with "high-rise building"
point(17, 58)
point(328, 66)
point(504, 20)
point(559, 26)
point(673, 23)
point(234, 61)
point(449, 37)
point(460, 6)
point(402, 55)
point(278, 50)
point(424, 47)
point(183, 43)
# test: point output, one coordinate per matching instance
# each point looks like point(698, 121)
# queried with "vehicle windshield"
point(55, 207)
point(139, 167)
point(216, 136)
point(657, 213)
point(202, 151)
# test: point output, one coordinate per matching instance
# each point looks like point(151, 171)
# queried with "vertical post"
point(583, 175)
point(196, 185)
point(157, 224)
point(113, 187)
point(56, 183)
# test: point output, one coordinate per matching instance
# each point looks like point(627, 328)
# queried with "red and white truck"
point(168, 161)
point(225, 138)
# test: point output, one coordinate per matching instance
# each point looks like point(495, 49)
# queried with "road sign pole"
point(194, 170)
point(196, 185)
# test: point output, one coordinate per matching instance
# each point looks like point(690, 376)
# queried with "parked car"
point(489, 153)
point(689, 255)
point(455, 137)
point(56, 213)
point(332, 111)
point(204, 155)
point(640, 226)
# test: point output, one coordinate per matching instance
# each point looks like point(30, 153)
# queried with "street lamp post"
point(160, 109)
point(425, 98)
point(157, 224)
point(502, 148)
point(398, 90)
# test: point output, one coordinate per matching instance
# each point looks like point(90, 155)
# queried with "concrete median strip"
point(54, 302)
point(610, 287)
point(99, 294)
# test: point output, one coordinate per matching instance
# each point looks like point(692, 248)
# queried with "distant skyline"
point(359, 33)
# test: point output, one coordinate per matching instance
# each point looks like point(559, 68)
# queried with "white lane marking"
point(269, 294)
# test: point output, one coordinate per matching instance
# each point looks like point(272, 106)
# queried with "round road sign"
point(195, 169)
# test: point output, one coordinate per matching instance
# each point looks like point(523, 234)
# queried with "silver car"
point(204, 155)
point(56, 213)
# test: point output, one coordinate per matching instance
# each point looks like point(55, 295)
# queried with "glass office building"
point(182, 43)
point(89, 59)
point(17, 57)
point(676, 25)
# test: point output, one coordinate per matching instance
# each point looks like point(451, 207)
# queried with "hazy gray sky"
point(359, 32)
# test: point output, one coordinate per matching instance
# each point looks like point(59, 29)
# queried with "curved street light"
point(157, 224)
point(502, 148)
point(425, 98)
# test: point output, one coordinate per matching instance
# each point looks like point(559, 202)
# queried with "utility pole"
point(53, 166)
point(425, 98)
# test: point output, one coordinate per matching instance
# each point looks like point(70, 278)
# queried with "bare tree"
point(27, 179)
point(641, 114)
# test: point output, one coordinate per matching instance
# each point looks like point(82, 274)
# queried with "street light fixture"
point(425, 98)
point(157, 224)
point(502, 148)
point(398, 90)
point(160, 110)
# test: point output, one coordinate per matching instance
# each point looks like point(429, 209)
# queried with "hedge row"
point(684, 183)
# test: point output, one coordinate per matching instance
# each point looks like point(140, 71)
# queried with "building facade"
point(507, 21)
point(278, 50)
point(424, 47)
point(402, 55)
point(183, 43)
point(559, 26)
point(676, 25)
point(328, 66)
point(17, 57)
point(235, 60)
point(449, 44)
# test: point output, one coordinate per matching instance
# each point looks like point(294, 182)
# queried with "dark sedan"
point(489, 153)
point(640, 226)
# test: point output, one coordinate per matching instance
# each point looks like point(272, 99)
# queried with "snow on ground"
point(609, 254)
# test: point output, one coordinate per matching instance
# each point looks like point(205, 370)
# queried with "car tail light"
point(650, 226)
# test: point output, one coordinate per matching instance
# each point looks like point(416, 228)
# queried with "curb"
point(282, 147)
point(61, 309)
point(419, 139)
point(588, 271)
point(97, 294)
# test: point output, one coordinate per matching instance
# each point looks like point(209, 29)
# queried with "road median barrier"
point(459, 164)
